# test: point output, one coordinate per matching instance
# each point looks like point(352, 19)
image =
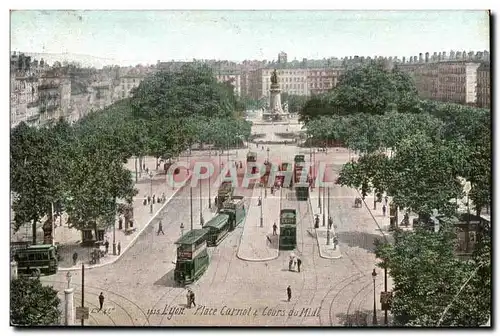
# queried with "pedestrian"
point(75, 257)
point(386, 199)
point(188, 298)
point(160, 229)
point(265, 192)
point(149, 199)
point(106, 245)
point(119, 248)
point(272, 190)
point(274, 229)
point(192, 298)
point(299, 262)
point(384, 209)
point(289, 293)
point(101, 301)
point(290, 263)
point(154, 197)
point(259, 201)
point(241, 165)
point(330, 222)
point(143, 166)
point(147, 170)
point(120, 223)
point(163, 198)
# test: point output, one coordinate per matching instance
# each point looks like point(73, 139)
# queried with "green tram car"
point(192, 256)
point(251, 162)
point(232, 215)
point(224, 194)
point(35, 260)
point(235, 208)
point(288, 229)
point(218, 229)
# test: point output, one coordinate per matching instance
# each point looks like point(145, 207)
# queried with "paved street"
point(139, 287)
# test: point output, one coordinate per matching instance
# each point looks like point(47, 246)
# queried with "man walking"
point(160, 229)
point(259, 201)
point(384, 209)
point(149, 199)
point(106, 245)
point(75, 257)
point(274, 229)
point(101, 301)
point(289, 293)
point(299, 262)
point(119, 248)
point(192, 298)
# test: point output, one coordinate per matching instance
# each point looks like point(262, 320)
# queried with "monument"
point(274, 111)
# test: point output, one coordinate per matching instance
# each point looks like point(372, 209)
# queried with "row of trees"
point(80, 169)
point(415, 151)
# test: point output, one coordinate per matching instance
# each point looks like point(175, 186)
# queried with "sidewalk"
point(70, 238)
point(325, 251)
point(259, 244)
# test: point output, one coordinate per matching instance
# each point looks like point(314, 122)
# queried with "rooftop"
point(192, 237)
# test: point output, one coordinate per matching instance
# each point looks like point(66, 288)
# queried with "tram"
point(280, 179)
point(288, 229)
point(235, 209)
point(251, 162)
point(224, 193)
point(218, 229)
point(192, 256)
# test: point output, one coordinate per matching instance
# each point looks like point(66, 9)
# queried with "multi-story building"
point(54, 92)
point(483, 85)
point(282, 58)
point(231, 77)
point(321, 80)
point(452, 78)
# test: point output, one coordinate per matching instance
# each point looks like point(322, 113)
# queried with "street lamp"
point(261, 206)
point(201, 208)
point(209, 180)
point(324, 210)
point(151, 191)
point(182, 229)
point(68, 278)
point(191, 204)
point(374, 276)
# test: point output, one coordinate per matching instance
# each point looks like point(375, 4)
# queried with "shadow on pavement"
point(168, 280)
point(358, 318)
point(358, 239)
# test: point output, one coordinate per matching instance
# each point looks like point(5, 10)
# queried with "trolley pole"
point(385, 289)
point(328, 202)
point(83, 291)
point(209, 181)
point(261, 206)
point(191, 204)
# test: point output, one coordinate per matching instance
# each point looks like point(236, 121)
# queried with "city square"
point(342, 192)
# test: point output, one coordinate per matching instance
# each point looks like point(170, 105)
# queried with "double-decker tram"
point(288, 229)
point(192, 256)
point(218, 229)
point(251, 161)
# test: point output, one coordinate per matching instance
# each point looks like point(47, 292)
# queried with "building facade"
point(231, 77)
point(483, 85)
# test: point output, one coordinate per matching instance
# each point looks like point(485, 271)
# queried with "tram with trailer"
point(225, 192)
point(288, 229)
point(192, 256)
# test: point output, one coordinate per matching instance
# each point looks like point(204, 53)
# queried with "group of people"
point(294, 262)
point(148, 199)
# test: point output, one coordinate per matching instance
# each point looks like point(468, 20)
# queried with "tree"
point(36, 179)
point(32, 304)
point(429, 281)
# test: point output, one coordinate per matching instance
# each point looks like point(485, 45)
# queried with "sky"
point(148, 36)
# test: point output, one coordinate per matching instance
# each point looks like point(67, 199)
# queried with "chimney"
point(420, 58)
point(464, 55)
point(404, 59)
point(427, 57)
point(452, 55)
point(471, 55)
point(444, 56)
point(439, 57)
point(434, 57)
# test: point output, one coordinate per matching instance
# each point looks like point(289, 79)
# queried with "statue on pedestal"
point(274, 77)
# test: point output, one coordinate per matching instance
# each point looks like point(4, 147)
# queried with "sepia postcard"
point(250, 168)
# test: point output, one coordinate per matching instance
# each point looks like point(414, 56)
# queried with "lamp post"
point(324, 210)
point(191, 204)
point(209, 181)
point(319, 197)
point(261, 206)
point(385, 290)
point(68, 278)
point(182, 229)
point(151, 191)
point(201, 208)
point(374, 276)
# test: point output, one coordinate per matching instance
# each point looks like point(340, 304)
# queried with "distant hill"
point(84, 60)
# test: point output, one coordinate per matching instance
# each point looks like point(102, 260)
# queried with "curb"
point(239, 243)
point(132, 242)
point(317, 240)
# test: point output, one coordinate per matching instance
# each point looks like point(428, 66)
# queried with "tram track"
point(87, 287)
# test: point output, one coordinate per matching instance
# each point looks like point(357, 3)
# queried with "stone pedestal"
point(69, 309)
point(13, 270)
